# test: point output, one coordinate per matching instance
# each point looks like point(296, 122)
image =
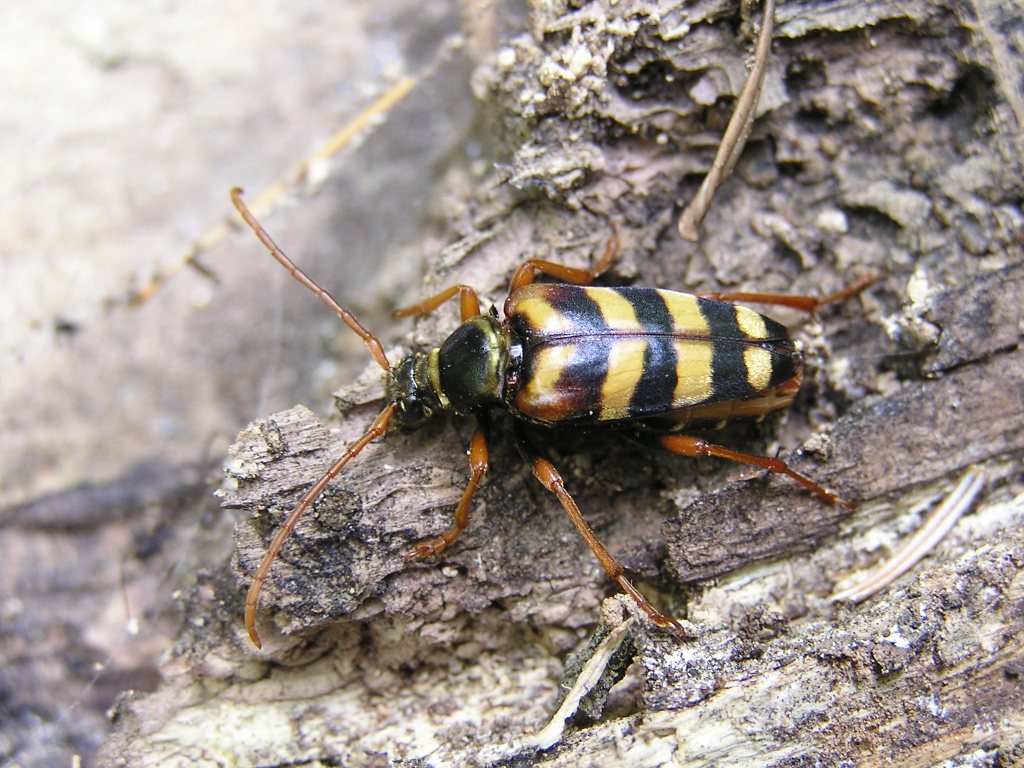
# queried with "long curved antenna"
point(372, 342)
point(378, 428)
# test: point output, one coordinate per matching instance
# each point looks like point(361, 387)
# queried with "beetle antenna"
point(372, 342)
point(378, 428)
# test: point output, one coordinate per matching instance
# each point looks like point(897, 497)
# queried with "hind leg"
point(685, 445)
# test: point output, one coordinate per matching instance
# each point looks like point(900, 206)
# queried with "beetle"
point(570, 354)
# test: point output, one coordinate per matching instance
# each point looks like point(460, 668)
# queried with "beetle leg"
point(685, 445)
point(469, 304)
point(549, 477)
point(530, 268)
point(478, 464)
point(810, 304)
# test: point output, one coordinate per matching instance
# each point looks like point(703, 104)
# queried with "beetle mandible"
point(568, 354)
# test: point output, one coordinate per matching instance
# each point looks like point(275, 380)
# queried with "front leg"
point(469, 304)
point(478, 456)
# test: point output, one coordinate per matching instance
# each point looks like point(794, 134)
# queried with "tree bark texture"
point(889, 140)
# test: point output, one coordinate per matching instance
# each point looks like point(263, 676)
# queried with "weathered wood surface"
point(890, 140)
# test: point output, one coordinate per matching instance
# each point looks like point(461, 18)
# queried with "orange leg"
point(469, 304)
point(809, 304)
point(478, 455)
point(529, 269)
point(548, 476)
point(685, 445)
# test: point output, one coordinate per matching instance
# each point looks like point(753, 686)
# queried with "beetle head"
point(408, 387)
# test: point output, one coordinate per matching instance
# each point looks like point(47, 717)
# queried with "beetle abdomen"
point(620, 354)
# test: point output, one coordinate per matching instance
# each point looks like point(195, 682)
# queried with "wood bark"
point(889, 140)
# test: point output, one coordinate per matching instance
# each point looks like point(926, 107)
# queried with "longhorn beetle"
point(567, 354)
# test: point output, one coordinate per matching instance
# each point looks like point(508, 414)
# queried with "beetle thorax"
point(464, 375)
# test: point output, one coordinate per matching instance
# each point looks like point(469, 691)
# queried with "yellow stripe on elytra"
point(686, 314)
point(617, 311)
point(759, 367)
point(751, 323)
point(693, 373)
point(541, 316)
point(547, 366)
point(625, 367)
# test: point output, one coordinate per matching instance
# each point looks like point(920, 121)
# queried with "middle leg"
point(531, 268)
point(549, 477)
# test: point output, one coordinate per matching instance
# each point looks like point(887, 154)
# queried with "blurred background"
point(124, 125)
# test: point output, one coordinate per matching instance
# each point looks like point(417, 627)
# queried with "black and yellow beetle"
point(567, 354)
